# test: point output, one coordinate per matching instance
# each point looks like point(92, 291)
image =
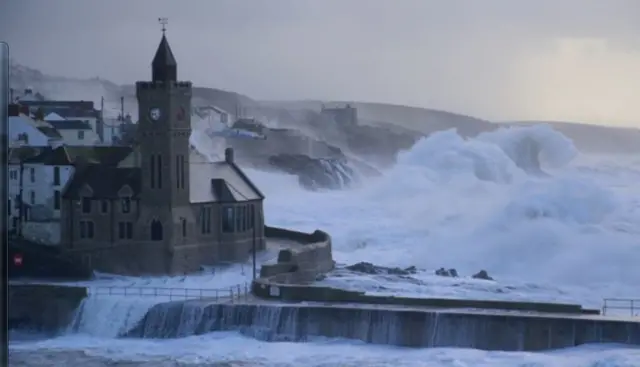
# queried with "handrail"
point(220, 294)
point(631, 304)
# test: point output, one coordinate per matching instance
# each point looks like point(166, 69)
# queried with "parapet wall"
point(44, 308)
point(302, 264)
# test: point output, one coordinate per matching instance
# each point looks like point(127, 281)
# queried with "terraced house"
point(165, 208)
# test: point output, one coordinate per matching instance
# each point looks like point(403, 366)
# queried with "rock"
point(482, 274)
point(316, 173)
point(452, 273)
point(369, 268)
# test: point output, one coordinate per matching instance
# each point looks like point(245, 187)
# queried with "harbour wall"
point(42, 308)
point(301, 264)
point(398, 326)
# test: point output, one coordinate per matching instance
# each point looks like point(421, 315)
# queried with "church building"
point(165, 208)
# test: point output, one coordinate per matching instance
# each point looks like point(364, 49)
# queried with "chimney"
point(14, 110)
point(228, 155)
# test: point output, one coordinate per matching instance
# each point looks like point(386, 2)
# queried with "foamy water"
point(571, 236)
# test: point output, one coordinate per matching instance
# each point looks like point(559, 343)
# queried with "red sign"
point(17, 259)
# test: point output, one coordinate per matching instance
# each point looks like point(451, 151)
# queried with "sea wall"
point(264, 289)
point(43, 308)
point(386, 325)
point(291, 277)
point(299, 264)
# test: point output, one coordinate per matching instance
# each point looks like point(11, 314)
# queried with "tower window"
point(156, 230)
point(159, 169)
point(182, 171)
point(126, 205)
point(86, 205)
point(152, 167)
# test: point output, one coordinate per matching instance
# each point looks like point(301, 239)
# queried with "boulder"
point(482, 274)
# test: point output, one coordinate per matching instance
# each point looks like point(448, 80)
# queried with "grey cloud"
point(491, 58)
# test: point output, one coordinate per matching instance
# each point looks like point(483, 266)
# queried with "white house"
point(43, 179)
point(45, 172)
point(23, 130)
point(75, 132)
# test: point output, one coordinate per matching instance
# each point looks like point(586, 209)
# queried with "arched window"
point(156, 230)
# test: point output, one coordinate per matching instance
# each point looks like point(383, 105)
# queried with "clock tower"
point(164, 127)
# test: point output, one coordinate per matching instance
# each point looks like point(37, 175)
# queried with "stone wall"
point(487, 330)
point(300, 264)
point(43, 308)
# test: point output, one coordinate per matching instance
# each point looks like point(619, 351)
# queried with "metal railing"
point(632, 305)
point(230, 294)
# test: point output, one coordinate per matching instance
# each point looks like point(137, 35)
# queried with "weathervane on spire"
point(164, 22)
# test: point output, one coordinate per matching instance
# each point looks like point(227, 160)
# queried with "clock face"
point(155, 114)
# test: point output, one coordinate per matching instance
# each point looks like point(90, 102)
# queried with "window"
point(227, 219)
point(156, 230)
point(32, 173)
point(80, 135)
point(56, 200)
point(104, 206)
point(152, 173)
point(252, 216)
point(205, 220)
point(13, 175)
point(32, 197)
point(125, 230)
point(126, 205)
point(224, 118)
point(238, 217)
point(182, 171)
point(177, 171)
point(9, 207)
point(184, 227)
point(159, 169)
point(56, 175)
point(243, 216)
point(86, 229)
point(86, 205)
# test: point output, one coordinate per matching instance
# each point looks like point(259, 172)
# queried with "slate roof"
point(218, 181)
point(94, 176)
point(70, 124)
point(49, 132)
point(15, 155)
point(65, 109)
point(73, 155)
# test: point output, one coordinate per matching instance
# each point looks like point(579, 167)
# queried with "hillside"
point(382, 118)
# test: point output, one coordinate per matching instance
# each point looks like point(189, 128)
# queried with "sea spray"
point(109, 316)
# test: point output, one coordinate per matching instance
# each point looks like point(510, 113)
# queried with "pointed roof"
point(164, 65)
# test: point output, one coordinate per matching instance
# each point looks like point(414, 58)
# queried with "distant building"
point(42, 173)
point(165, 209)
point(344, 116)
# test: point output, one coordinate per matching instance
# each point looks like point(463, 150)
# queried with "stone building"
point(165, 209)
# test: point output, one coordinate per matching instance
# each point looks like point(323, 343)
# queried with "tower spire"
point(164, 66)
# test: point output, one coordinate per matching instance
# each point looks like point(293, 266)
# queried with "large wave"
point(481, 203)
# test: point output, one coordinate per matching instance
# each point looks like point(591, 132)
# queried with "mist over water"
point(546, 221)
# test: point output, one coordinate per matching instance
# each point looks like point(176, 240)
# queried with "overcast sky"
point(496, 59)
